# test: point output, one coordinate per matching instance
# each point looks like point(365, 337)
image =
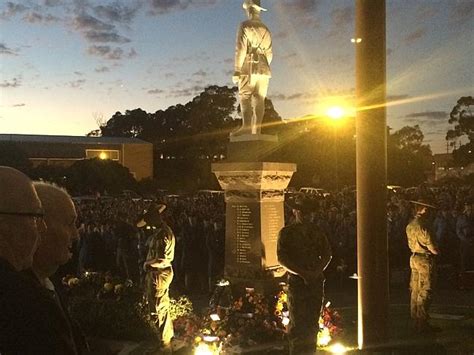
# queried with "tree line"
point(188, 138)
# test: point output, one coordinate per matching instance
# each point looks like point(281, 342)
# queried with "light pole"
point(371, 129)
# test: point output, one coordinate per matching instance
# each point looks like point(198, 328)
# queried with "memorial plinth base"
point(254, 195)
point(251, 148)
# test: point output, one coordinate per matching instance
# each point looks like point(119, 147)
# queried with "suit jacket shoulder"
point(30, 322)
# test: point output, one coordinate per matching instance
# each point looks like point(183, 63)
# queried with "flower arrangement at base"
point(249, 320)
point(330, 325)
point(106, 306)
point(252, 319)
point(210, 347)
point(187, 328)
point(330, 322)
point(281, 308)
point(181, 307)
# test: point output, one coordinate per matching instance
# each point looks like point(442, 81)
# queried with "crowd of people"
point(110, 242)
point(452, 223)
point(41, 228)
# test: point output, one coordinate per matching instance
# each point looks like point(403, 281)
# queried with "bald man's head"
point(20, 217)
point(60, 217)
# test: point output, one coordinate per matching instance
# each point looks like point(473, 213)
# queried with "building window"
point(103, 154)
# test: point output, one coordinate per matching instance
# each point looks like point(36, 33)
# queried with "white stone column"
point(254, 195)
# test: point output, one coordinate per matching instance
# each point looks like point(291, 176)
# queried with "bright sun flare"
point(335, 112)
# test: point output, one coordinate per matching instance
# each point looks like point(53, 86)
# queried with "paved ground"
point(452, 312)
point(455, 336)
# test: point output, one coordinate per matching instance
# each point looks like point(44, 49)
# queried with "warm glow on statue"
point(253, 55)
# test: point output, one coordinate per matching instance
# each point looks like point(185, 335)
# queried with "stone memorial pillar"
point(254, 195)
point(254, 188)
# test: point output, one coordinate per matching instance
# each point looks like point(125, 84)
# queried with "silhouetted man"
point(465, 233)
point(304, 251)
point(124, 233)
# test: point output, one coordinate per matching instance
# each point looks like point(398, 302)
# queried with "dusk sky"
point(64, 63)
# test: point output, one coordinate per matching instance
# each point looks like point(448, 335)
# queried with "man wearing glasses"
point(25, 326)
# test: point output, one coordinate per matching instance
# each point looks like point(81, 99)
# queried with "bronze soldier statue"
point(304, 251)
point(253, 55)
point(422, 263)
point(159, 270)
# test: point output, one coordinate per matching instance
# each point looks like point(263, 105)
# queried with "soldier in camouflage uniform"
point(422, 263)
point(304, 251)
point(159, 270)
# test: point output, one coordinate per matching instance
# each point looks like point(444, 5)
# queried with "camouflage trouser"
point(421, 283)
point(304, 306)
point(164, 322)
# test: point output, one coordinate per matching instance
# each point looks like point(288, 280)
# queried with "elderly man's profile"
point(30, 320)
point(253, 55)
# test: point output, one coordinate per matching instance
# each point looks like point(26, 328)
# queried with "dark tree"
point(131, 124)
point(89, 176)
point(464, 155)
point(95, 133)
point(462, 118)
point(12, 155)
point(51, 173)
point(187, 138)
point(320, 150)
point(213, 109)
point(272, 121)
point(184, 137)
point(200, 126)
point(408, 158)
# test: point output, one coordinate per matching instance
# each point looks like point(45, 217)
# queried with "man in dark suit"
point(30, 323)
